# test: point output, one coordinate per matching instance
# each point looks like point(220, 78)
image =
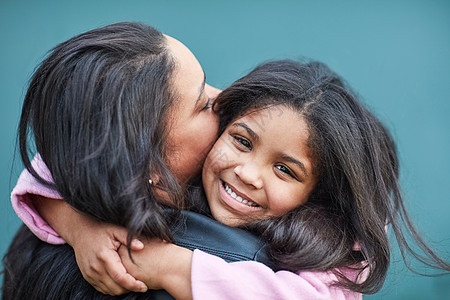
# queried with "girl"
point(304, 164)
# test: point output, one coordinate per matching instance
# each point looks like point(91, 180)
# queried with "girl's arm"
point(213, 278)
point(22, 199)
point(161, 265)
point(54, 221)
point(198, 275)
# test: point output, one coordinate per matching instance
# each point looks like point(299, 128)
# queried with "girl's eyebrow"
point(248, 129)
point(297, 162)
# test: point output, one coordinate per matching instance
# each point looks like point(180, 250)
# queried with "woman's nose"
point(250, 174)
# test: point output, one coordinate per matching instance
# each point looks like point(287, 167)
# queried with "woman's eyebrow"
point(201, 89)
point(248, 129)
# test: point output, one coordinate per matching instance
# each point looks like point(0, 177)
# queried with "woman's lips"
point(236, 200)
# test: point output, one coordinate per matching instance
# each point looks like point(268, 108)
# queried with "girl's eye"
point(243, 142)
point(286, 170)
point(207, 105)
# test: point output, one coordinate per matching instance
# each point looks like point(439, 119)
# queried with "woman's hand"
point(95, 245)
point(161, 265)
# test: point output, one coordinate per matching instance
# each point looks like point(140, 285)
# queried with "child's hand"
point(161, 265)
point(95, 247)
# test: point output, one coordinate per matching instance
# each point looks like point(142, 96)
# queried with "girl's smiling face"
point(261, 166)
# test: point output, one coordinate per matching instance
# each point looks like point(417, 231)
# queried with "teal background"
point(395, 54)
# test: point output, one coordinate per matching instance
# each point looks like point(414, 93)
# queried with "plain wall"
point(395, 54)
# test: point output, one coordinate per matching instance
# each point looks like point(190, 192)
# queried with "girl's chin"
point(228, 219)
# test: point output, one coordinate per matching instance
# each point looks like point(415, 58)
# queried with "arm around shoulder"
point(23, 199)
point(42, 208)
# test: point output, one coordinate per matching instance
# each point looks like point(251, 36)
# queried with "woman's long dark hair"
point(37, 270)
point(96, 108)
point(358, 192)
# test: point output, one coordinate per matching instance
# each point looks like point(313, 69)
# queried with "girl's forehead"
point(267, 115)
point(278, 125)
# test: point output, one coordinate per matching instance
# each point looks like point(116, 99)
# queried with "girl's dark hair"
point(343, 224)
point(97, 109)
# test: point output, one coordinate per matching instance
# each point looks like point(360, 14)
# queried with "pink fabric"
point(21, 198)
point(213, 278)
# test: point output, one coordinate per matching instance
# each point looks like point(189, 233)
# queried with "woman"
point(156, 80)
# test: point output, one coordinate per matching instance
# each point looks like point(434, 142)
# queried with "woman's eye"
point(207, 105)
point(243, 142)
point(285, 170)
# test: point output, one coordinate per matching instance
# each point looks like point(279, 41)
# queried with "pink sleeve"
point(213, 278)
point(21, 198)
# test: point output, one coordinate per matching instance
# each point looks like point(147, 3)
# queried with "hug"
point(140, 166)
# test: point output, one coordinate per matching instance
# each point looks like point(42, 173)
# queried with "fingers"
point(115, 282)
point(121, 235)
point(136, 245)
point(125, 280)
point(101, 264)
point(103, 283)
point(110, 289)
point(119, 275)
point(109, 276)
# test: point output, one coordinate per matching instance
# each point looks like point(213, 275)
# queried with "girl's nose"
point(250, 174)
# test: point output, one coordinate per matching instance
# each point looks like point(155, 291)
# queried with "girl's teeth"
point(238, 198)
